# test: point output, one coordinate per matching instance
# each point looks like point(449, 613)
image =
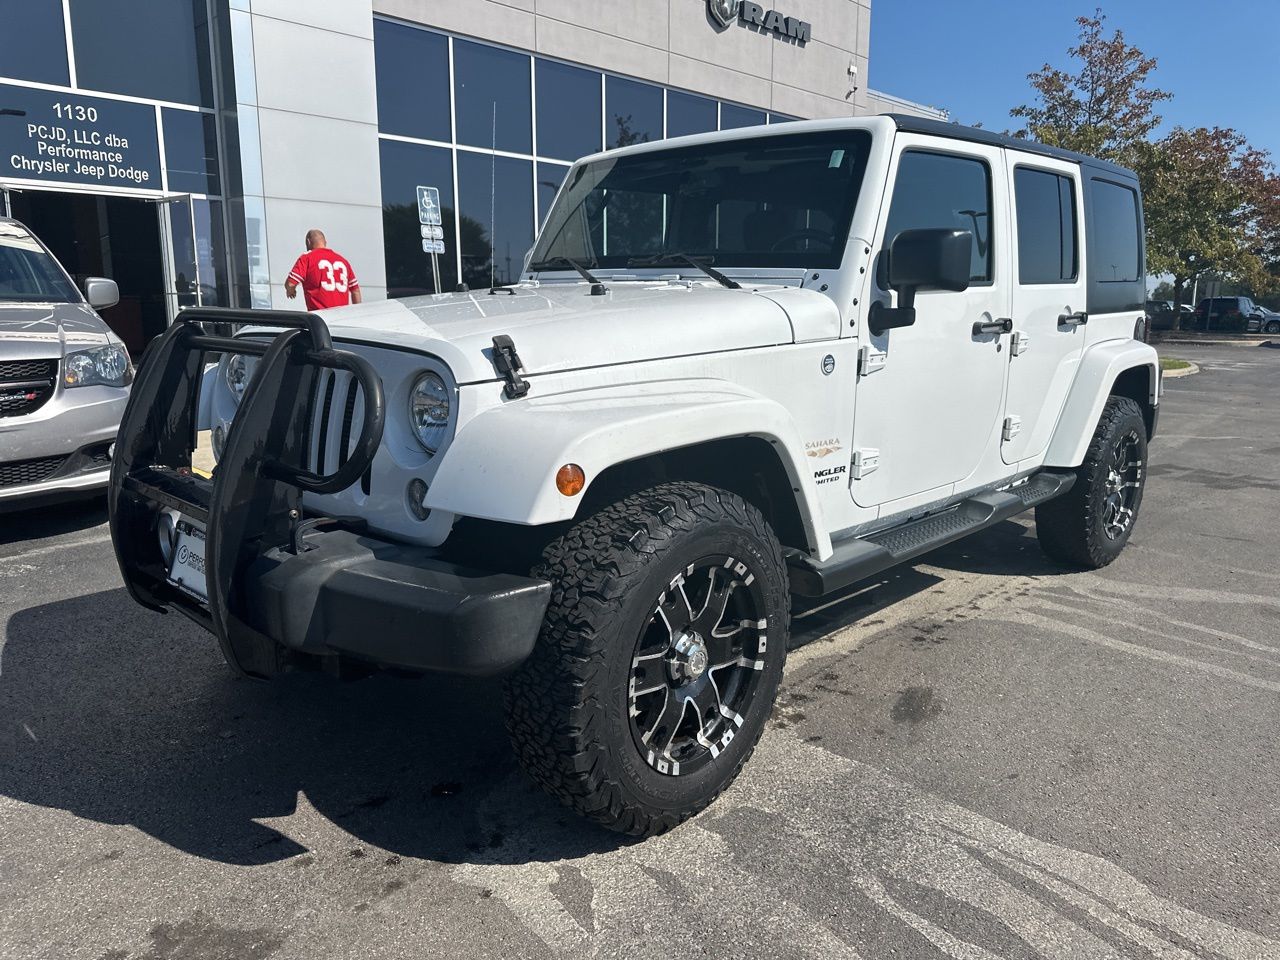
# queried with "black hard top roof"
point(955, 131)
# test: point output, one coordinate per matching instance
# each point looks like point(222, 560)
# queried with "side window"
point(941, 190)
point(1115, 239)
point(1046, 204)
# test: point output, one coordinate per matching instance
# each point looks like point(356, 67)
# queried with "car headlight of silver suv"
point(107, 366)
point(429, 407)
point(238, 371)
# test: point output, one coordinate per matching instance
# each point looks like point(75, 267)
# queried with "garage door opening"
point(99, 236)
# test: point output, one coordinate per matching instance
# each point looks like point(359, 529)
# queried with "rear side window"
point(1046, 205)
point(1115, 239)
point(941, 190)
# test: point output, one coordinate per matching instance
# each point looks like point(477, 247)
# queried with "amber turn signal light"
point(570, 480)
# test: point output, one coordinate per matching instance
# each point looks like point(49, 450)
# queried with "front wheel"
point(659, 659)
point(1273, 326)
point(1090, 524)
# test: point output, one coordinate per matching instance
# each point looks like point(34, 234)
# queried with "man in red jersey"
point(326, 277)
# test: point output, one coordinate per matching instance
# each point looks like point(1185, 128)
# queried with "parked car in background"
point(1161, 315)
point(1227, 313)
point(64, 376)
point(1263, 321)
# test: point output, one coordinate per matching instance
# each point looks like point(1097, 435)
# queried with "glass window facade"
point(689, 114)
point(155, 50)
point(419, 108)
point(495, 206)
point(733, 116)
point(191, 151)
point(492, 91)
point(633, 112)
point(568, 111)
point(405, 167)
point(548, 114)
point(33, 43)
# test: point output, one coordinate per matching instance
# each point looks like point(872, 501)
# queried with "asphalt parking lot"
point(982, 756)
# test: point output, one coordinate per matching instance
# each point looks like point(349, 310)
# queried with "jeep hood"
point(47, 330)
point(559, 327)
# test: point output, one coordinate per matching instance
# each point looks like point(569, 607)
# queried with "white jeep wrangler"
point(738, 367)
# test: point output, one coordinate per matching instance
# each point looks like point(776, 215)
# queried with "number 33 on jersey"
point(326, 277)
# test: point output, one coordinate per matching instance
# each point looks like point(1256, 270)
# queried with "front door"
point(930, 397)
point(1048, 300)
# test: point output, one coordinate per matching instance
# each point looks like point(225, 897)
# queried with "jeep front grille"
point(26, 385)
point(335, 404)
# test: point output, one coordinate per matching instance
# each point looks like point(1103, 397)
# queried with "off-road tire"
point(1071, 527)
point(567, 706)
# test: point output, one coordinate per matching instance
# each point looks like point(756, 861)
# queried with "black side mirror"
point(933, 259)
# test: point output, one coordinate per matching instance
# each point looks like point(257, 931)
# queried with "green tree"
point(1102, 105)
point(1211, 205)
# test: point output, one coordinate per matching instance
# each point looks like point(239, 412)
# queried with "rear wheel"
point(1090, 524)
point(659, 659)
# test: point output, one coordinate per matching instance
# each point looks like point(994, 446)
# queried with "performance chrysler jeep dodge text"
point(737, 367)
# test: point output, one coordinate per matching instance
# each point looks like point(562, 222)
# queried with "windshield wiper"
point(550, 262)
point(697, 263)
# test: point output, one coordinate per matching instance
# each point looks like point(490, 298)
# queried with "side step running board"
point(858, 558)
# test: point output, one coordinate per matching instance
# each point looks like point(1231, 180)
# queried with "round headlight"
point(429, 411)
point(237, 373)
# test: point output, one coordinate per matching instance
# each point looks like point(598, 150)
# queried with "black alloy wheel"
point(697, 665)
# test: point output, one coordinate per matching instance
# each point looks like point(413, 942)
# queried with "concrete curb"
point(1215, 343)
point(1182, 371)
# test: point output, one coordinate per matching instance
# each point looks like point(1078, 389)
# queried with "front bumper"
point(278, 584)
point(44, 480)
point(61, 448)
point(393, 605)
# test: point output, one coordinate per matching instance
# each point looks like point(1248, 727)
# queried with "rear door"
point(1047, 302)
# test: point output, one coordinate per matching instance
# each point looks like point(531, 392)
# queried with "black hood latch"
point(507, 362)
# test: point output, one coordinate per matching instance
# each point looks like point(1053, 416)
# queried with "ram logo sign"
point(749, 14)
point(724, 11)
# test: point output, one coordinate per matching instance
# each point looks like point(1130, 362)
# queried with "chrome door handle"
point(1079, 318)
point(1003, 325)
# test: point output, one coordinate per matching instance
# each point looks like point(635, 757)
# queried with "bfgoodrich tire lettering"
point(1089, 525)
point(628, 639)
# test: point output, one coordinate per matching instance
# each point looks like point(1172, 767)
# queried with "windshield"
point(777, 201)
point(27, 273)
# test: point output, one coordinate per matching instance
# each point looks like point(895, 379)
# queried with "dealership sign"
point(68, 138)
point(724, 12)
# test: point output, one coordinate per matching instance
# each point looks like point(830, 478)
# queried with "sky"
point(1220, 60)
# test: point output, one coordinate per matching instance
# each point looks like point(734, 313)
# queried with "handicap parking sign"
point(429, 206)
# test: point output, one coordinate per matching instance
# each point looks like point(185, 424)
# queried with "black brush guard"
point(278, 582)
point(255, 499)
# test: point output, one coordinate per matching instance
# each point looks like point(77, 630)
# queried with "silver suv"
point(64, 376)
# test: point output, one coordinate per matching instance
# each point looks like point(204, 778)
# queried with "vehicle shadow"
point(51, 520)
point(1006, 549)
point(124, 716)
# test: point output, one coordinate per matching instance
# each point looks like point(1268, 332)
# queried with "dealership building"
point(184, 147)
